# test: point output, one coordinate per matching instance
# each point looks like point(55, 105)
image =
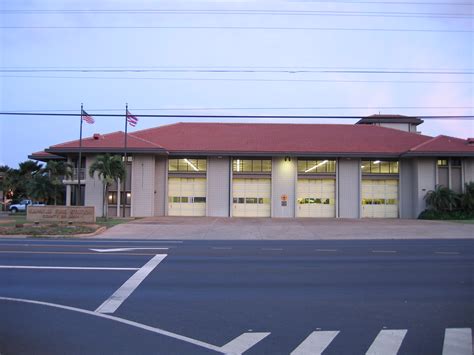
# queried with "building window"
point(311, 166)
point(112, 198)
point(450, 173)
point(187, 165)
point(379, 167)
point(252, 165)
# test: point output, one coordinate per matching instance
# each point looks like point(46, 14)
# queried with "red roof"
point(444, 144)
point(245, 138)
point(111, 141)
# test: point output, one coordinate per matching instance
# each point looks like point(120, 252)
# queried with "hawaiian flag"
point(86, 117)
point(131, 119)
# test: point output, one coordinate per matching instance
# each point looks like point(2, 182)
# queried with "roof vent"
point(470, 141)
point(96, 136)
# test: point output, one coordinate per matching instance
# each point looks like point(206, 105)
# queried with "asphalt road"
point(261, 297)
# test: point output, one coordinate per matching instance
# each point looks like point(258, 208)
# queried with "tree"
point(40, 188)
point(109, 169)
point(442, 199)
point(467, 198)
point(56, 171)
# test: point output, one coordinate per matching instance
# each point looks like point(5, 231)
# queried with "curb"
point(58, 236)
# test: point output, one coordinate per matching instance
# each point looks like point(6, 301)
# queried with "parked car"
point(21, 207)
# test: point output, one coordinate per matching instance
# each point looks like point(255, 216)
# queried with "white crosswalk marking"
point(387, 342)
point(242, 343)
point(457, 341)
point(315, 343)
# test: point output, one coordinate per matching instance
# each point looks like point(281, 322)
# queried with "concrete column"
point(94, 189)
point(119, 204)
point(218, 186)
point(284, 177)
point(160, 194)
point(348, 186)
point(68, 194)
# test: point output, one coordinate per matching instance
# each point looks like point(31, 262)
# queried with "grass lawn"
point(110, 222)
point(465, 221)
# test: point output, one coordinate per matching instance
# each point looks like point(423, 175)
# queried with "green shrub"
point(442, 199)
point(467, 198)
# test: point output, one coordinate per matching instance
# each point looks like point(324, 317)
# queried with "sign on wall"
point(82, 214)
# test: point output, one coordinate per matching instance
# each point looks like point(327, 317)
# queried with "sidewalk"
point(202, 228)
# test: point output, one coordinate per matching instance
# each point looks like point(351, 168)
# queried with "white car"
point(21, 207)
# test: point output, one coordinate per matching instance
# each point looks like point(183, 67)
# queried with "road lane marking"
point(447, 252)
point(120, 320)
point(457, 341)
point(68, 268)
point(315, 343)
point(387, 342)
point(243, 342)
point(113, 302)
point(221, 248)
point(124, 249)
point(278, 249)
point(326, 249)
point(67, 253)
point(384, 251)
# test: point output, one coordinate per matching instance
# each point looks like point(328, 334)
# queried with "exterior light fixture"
point(316, 166)
point(191, 165)
point(287, 158)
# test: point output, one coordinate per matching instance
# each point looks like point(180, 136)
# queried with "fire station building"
point(380, 167)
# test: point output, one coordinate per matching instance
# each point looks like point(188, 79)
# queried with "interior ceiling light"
point(191, 165)
point(238, 164)
point(377, 162)
point(316, 166)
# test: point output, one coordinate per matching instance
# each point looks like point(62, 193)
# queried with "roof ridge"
point(424, 143)
point(76, 140)
point(145, 140)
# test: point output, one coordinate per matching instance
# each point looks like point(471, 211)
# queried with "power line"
point(260, 108)
point(289, 71)
point(231, 67)
point(241, 28)
point(240, 79)
point(243, 12)
point(446, 117)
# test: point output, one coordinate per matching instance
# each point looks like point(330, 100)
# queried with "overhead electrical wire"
point(239, 79)
point(433, 117)
point(240, 12)
point(242, 28)
point(289, 71)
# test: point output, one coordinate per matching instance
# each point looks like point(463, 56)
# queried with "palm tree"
point(467, 198)
point(442, 199)
point(56, 171)
point(109, 169)
point(40, 188)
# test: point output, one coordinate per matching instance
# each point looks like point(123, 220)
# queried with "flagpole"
point(125, 162)
point(78, 195)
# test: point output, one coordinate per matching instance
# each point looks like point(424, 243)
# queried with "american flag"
point(86, 117)
point(131, 119)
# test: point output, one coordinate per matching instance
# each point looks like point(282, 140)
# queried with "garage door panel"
point(251, 197)
point(315, 198)
point(380, 198)
point(182, 193)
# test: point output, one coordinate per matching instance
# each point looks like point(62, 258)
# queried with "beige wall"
point(218, 186)
point(348, 187)
point(284, 176)
point(94, 188)
point(160, 186)
point(143, 185)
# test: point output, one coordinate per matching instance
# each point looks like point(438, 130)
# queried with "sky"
point(228, 57)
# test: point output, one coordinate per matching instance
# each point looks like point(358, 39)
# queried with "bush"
point(442, 199)
point(432, 214)
point(467, 198)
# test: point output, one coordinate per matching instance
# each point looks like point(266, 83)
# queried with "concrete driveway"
point(202, 228)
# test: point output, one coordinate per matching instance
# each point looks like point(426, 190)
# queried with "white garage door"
point(316, 198)
point(251, 197)
point(380, 198)
point(187, 197)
